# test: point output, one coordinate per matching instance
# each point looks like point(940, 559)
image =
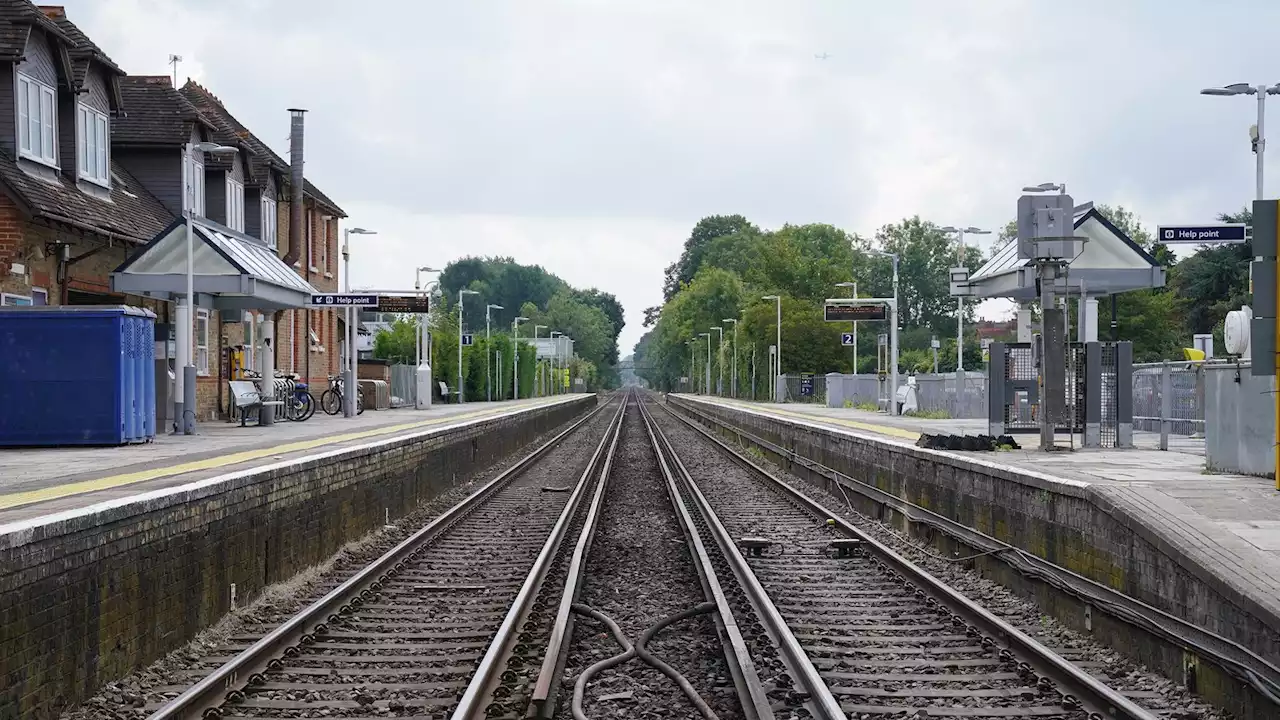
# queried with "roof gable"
point(267, 159)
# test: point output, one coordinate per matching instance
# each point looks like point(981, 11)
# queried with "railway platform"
point(1153, 524)
point(41, 481)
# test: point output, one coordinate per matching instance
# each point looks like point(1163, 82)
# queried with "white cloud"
point(588, 136)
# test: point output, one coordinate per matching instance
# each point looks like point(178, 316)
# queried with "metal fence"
point(1185, 387)
point(404, 386)
point(795, 386)
point(935, 394)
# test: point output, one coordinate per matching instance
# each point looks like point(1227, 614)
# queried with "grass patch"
point(867, 406)
point(929, 414)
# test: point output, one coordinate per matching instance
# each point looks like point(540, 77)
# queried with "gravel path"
point(639, 571)
point(134, 697)
point(1149, 689)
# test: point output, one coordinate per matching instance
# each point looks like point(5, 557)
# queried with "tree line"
point(590, 317)
point(729, 264)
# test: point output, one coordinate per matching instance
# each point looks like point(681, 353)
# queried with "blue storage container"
point(80, 375)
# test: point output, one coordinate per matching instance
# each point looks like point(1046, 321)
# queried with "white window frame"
point(308, 218)
point(39, 291)
point(193, 185)
point(6, 297)
point(235, 204)
point(202, 342)
point(44, 148)
point(270, 222)
point(324, 243)
point(93, 145)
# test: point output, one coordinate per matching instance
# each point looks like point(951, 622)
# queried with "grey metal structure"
point(1097, 397)
point(1262, 332)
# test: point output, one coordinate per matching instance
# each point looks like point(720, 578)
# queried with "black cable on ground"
point(630, 651)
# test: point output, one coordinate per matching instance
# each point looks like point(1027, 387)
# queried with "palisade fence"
point(1184, 384)
point(404, 386)
point(937, 394)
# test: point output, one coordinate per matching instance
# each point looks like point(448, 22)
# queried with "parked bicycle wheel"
point(331, 402)
point(359, 403)
point(307, 404)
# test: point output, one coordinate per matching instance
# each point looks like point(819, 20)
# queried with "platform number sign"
point(846, 339)
point(468, 339)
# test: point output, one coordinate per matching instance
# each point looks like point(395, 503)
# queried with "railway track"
point(888, 639)
point(404, 636)
point(630, 568)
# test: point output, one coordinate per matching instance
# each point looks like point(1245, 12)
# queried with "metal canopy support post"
point(267, 368)
point(1124, 395)
point(1166, 403)
point(997, 388)
point(1093, 395)
point(349, 372)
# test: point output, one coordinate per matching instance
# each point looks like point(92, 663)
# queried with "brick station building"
point(93, 168)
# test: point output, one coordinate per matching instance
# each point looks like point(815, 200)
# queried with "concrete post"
point(1093, 395)
point(996, 389)
point(835, 390)
point(1024, 323)
point(1124, 394)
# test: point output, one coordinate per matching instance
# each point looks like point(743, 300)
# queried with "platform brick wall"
point(1095, 530)
point(87, 600)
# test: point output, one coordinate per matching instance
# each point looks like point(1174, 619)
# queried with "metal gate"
point(1097, 396)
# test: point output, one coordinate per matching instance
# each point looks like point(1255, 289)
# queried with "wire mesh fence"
point(404, 386)
point(1186, 397)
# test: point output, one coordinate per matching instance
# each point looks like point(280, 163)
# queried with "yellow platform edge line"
point(55, 492)
point(819, 419)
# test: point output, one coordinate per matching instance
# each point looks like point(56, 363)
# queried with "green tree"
point(707, 229)
point(398, 343)
point(1213, 281)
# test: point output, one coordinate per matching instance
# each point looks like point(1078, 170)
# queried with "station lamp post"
point(555, 355)
point(733, 378)
point(349, 375)
point(420, 341)
point(693, 364)
point(720, 360)
point(893, 335)
point(777, 349)
point(853, 285)
point(959, 233)
point(707, 384)
point(515, 356)
point(461, 294)
point(1257, 134)
point(539, 365)
point(184, 381)
point(488, 353)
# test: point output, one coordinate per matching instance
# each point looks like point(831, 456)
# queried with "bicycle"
point(299, 403)
point(331, 399)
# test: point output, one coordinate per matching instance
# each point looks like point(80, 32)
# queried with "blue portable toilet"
point(76, 375)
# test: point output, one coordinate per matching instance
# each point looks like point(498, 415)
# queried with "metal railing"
point(1168, 398)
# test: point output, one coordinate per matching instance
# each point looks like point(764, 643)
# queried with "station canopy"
point(1109, 263)
point(233, 270)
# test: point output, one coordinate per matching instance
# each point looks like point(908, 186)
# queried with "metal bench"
point(444, 391)
point(246, 398)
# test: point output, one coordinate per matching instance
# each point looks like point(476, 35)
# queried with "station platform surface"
point(1230, 523)
point(40, 481)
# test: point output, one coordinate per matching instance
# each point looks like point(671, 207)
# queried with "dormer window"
point(269, 221)
point(93, 146)
point(235, 204)
point(37, 118)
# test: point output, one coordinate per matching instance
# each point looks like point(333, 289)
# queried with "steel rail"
point(1235, 659)
point(543, 702)
point(822, 704)
point(248, 666)
point(475, 699)
point(1094, 696)
point(751, 695)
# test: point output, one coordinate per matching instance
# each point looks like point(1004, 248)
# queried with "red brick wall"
point(294, 348)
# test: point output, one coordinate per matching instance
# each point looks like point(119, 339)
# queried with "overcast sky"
point(589, 136)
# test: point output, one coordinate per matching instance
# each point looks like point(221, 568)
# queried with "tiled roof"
point(16, 19)
point(132, 212)
point(154, 113)
point(82, 48)
point(212, 107)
